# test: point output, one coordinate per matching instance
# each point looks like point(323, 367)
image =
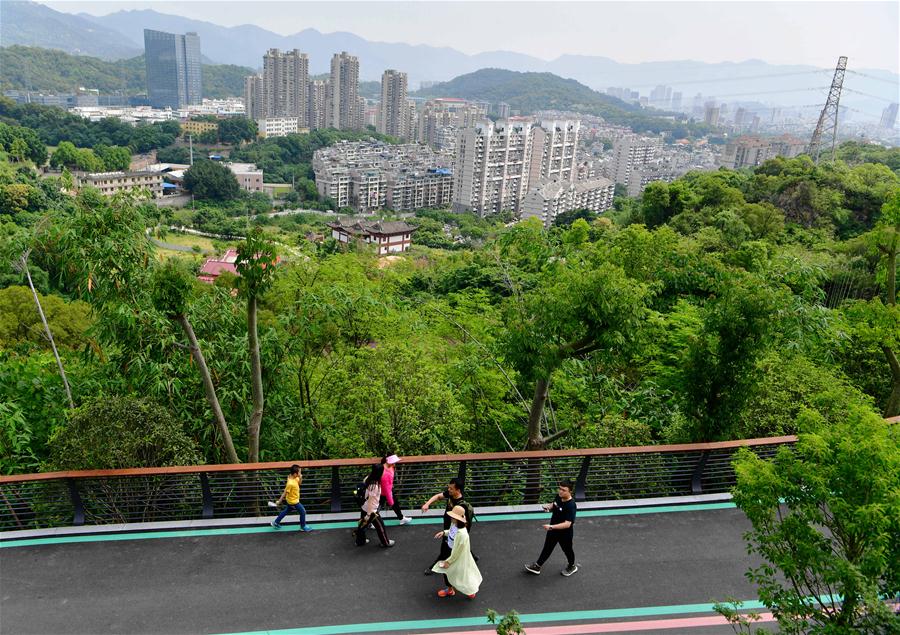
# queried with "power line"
point(859, 92)
point(732, 79)
point(877, 79)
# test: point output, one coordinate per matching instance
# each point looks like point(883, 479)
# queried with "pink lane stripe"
point(622, 627)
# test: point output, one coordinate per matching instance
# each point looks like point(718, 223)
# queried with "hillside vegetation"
point(530, 92)
point(45, 70)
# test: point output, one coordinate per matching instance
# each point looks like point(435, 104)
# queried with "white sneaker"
point(405, 520)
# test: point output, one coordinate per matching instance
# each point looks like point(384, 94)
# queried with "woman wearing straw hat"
point(459, 569)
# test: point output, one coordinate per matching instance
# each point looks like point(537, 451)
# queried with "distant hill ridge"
point(45, 70)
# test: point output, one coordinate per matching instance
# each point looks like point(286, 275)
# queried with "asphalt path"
point(286, 579)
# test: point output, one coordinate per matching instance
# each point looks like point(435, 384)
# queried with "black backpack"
point(470, 512)
point(359, 493)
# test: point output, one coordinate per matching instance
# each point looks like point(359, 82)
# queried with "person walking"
point(387, 487)
point(560, 530)
point(454, 496)
point(459, 568)
point(369, 513)
point(291, 497)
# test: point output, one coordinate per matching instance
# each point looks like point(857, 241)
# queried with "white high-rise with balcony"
point(493, 161)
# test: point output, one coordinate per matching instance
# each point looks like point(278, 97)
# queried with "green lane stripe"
point(234, 531)
point(532, 618)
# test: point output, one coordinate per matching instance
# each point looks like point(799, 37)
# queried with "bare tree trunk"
point(892, 275)
point(892, 409)
point(209, 388)
point(47, 333)
point(256, 386)
point(535, 438)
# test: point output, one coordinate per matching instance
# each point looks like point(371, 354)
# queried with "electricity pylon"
point(828, 120)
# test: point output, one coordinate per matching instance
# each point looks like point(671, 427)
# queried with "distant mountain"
point(786, 85)
point(530, 92)
point(32, 24)
point(29, 68)
point(526, 92)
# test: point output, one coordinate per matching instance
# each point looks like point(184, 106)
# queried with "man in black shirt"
point(454, 496)
point(560, 530)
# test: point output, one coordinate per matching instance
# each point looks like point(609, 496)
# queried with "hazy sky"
point(812, 32)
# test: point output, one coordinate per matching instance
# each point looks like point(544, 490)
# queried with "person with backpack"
point(454, 497)
point(560, 530)
point(291, 496)
point(387, 487)
point(369, 509)
point(459, 568)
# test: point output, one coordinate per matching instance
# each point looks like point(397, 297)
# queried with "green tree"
point(172, 288)
point(18, 150)
point(66, 154)
point(255, 264)
point(114, 432)
point(210, 180)
point(114, 158)
point(236, 129)
point(825, 517)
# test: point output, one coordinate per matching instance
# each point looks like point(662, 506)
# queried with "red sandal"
point(446, 592)
point(471, 597)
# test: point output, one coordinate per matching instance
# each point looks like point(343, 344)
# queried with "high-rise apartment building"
point(629, 153)
point(318, 104)
point(553, 153)
point(285, 82)
point(711, 114)
point(343, 109)
point(492, 166)
point(174, 74)
point(440, 119)
point(254, 106)
point(889, 117)
point(393, 113)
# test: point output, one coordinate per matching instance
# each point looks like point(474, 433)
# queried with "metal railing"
point(98, 497)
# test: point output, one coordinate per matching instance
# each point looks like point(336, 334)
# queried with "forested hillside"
point(51, 71)
point(530, 92)
point(723, 305)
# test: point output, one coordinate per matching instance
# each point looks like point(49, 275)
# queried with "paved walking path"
point(635, 566)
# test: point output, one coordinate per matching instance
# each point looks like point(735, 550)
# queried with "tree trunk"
point(892, 275)
point(47, 332)
point(892, 409)
point(209, 388)
point(256, 386)
point(535, 438)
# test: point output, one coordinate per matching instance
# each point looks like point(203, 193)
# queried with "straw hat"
point(458, 512)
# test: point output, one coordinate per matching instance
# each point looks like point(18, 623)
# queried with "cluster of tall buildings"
point(283, 99)
point(498, 165)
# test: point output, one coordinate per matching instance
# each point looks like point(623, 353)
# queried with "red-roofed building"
point(213, 267)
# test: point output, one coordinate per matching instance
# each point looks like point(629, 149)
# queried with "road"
point(633, 566)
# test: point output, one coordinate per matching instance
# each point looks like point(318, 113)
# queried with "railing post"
point(461, 474)
point(335, 489)
point(697, 478)
point(77, 504)
point(580, 494)
point(207, 495)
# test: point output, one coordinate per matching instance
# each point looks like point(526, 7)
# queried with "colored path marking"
point(432, 520)
point(625, 627)
point(533, 618)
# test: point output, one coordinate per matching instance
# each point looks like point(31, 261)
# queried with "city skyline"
point(795, 32)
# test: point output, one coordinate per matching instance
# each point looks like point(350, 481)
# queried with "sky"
point(813, 32)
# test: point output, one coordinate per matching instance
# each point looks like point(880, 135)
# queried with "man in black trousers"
point(560, 530)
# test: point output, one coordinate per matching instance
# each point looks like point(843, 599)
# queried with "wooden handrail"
point(433, 458)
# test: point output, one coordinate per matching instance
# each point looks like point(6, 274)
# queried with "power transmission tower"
point(828, 120)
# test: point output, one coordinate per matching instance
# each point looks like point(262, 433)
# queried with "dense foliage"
point(52, 71)
point(723, 305)
point(54, 125)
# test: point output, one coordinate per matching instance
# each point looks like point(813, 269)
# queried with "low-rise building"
point(196, 128)
point(214, 267)
point(248, 176)
point(110, 183)
point(551, 197)
point(388, 237)
point(280, 126)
